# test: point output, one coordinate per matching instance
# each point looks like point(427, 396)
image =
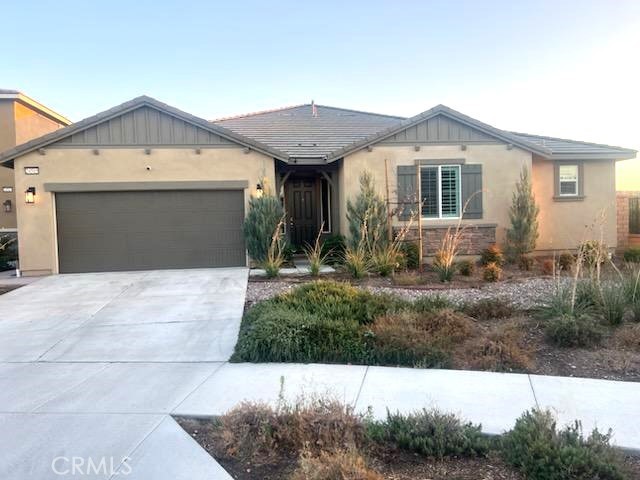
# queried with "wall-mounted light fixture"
point(259, 191)
point(30, 195)
point(7, 206)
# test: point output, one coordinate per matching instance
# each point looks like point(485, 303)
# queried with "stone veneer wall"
point(475, 238)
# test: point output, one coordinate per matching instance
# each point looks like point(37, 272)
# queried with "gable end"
point(143, 126)
point(439, 129)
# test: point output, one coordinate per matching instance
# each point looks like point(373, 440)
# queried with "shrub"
point(367, 217)
point(410, 338)
point(569, 331)
point(502, 350)
point(466, 267)
point(386, 259)
point(411, 254)
point(525, 262)
point(281, 334)
point(333, 248)
point(492, 272)
point(632, 291)
point(334, 465)
point(340, 301)
point(549, 266)
point(431, 303)
point(443, 265)
point(587, 295)
point(261, 221)
point(632, 255)
point(357, 262)
point(260, 433)
point(612, 305)
point(628, 336)
point(566, 261)
point(559, 302)
point(490, 309)
point(523, 213)
point(492, 254)
point(593, 252)
point(315, 256)
point(541, 452)
point(430, 433)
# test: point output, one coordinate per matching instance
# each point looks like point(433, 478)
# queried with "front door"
point(302, 210)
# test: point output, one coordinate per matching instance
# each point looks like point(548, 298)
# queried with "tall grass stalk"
point(315, 254)
point(275, 256)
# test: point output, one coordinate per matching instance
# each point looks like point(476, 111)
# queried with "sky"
point(568, 69)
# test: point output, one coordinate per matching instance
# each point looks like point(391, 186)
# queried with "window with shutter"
point(440, 191)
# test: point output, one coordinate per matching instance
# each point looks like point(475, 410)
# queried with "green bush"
point(430, 433)
point(411, 254)
point(367, 216)
point(333, 249)
point(259, 225)
point(559, 302)
point(632, 291)
point(522, 235)
point(466, 267)
point(541, 452)
point(613, 303)
point(569, 331)
point(431, 303)
point(632, 255)
point(282, 334)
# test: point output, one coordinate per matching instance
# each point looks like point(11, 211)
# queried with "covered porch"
point(310, 197)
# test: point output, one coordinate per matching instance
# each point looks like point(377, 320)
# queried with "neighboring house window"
point(568, 178)
point(325, 206)
point(440, 191)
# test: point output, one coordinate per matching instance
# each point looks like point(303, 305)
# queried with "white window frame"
point(439, 189)
point(576, 181)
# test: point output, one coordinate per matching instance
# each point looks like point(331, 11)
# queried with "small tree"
point(367, 217)
point(265, 214)
point(523, 234)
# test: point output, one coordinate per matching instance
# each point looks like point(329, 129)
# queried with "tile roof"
point(562, 147)
point(299, 133)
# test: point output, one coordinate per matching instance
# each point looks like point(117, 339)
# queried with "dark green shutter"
point(407, 191)
point(472, 191)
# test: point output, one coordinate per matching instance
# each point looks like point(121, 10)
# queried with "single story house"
point(21, 119)
point(145, 185)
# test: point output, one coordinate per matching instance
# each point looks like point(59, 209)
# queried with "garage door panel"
point(110, 231)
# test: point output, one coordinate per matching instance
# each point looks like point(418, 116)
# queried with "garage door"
point(112, 231)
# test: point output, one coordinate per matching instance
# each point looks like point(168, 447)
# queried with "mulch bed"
point(392, 464)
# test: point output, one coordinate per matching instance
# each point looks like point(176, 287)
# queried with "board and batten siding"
point(439, 129)
point(144, 126)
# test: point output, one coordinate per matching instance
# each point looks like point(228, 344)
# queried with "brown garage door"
point(111, 231)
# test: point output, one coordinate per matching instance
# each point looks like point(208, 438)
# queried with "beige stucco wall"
point(564, 225)
point(36, 223)
point(500, 169)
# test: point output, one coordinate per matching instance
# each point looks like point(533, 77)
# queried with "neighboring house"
point(145, 185)
point(21, 119)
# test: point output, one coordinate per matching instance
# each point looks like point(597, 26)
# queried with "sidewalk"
point(122, 410)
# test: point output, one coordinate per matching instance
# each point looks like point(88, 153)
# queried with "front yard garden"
point(336, 322)
point(325, 440)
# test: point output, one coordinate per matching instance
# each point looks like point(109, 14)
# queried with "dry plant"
point(387, 258)
point(315, 254)
point(357, 260)
point(337, 465)
point(275, 257)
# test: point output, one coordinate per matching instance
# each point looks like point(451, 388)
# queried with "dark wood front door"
point(302, 210)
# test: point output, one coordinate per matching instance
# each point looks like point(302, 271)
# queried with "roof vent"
point(314, 109)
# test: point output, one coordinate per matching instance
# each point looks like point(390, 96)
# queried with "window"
point(440, 191)
point(325, 206)
point(568, 177)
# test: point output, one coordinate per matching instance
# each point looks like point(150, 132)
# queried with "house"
point(21, 119)
point(144, 185)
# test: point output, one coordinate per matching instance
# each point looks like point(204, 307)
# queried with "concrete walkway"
point(93, 367)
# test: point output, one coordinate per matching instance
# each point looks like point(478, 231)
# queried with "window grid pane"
point(568, 188)
point(450, 188)
point(429, 191)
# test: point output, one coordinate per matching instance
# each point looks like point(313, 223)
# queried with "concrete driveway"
point(90, 365)
point(156, 316)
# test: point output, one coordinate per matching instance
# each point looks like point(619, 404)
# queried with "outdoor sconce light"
point(7, 206)
point(259, 191)
point(30, 195)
